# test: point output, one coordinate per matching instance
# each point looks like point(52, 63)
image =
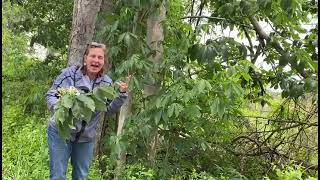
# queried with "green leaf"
point(157, 116)
point(203, 146)
point(76, 109)
point(127, 38)
point(63, 131)
point(217, 107)
point(87, 114)
point(67, 101)
point(158, 102)
point(81, 111)
point(226, 9)
point(194, 52)
point(263, 4)
point(87, 101)
point(104, 92)
point(165, 117)
point(203, 85)
point(246, 76)
point(243, 50)
point(136, 82)
point(192, 111)
point(178, 108)
point(286, 4)
point(208, 53)
point(99, 104)
point(175, 108)
point(121, 37)
point(59, 114)
point(114, 26)
point(284, 59)
point(170, 110)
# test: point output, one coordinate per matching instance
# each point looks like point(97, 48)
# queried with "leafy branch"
point(73, 107)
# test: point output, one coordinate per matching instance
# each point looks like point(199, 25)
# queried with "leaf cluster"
point(72, 108)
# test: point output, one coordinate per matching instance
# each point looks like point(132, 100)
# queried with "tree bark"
point(125, 111)
point(154, 40)
point(97, 148)
point(262, 34)
point(83, 23)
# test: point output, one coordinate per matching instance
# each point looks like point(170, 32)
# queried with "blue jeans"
point(60, 152)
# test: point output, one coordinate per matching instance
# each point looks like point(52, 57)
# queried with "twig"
point(218, 18)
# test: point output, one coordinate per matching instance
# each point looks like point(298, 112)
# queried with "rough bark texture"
point(83, 23)
point(154, 39)
point(107, 6)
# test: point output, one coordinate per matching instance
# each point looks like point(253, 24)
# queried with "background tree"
point(83, 24)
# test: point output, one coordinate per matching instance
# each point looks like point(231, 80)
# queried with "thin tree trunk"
point(154, 39)
point(125, 111)
point(101, 124)
point(83, 23)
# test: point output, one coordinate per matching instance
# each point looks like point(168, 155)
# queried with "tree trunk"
point(154, 39)
point(83, 23)
point(125, 111)
point(100, 133)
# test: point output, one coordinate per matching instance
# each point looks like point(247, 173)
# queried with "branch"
point(218, 18)
point(200, 13)
point(288, 120)
point(250, 42)
point(192, 6)
point(264, 35)
point(258, 52)
point(286, 128)
point(208, 17)
point(275, 44)
point(269, 150)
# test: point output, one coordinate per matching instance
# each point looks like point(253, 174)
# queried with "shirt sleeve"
point(115, 105)
point(50, 96)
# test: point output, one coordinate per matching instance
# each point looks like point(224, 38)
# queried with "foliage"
point(74, 105)
point(49, 26)
point(18, 161)
point(203, 85)
point(291, 172)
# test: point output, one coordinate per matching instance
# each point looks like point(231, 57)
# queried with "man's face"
point(94, 60)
